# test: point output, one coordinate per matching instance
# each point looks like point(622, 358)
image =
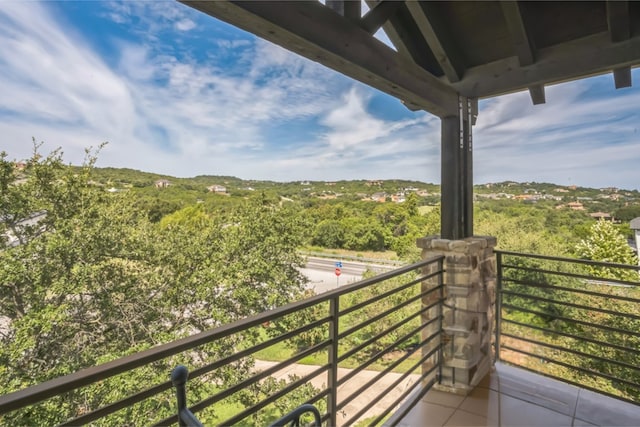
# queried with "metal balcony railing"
point(388, 323)
point(575, 320)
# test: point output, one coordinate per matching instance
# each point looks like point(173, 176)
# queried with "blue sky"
point(180, 93)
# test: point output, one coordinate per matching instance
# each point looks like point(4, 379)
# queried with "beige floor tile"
point(427, 415)
point(483, 402)
point(581, 423)
point(555, 395)
point(491, 381)
point(442, 398)
point(463, 418)
point(606, 411)
point(516, 412)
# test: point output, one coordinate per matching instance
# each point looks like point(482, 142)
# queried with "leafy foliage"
point(91, 279)
point(604, 243)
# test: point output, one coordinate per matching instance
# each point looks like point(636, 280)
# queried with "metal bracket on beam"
point(622, 77)
point(350, 9)
point(537, 94)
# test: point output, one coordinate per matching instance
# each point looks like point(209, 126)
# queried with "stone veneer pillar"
point(469, 308)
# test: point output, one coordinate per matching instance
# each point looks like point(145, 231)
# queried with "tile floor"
point(514, 397)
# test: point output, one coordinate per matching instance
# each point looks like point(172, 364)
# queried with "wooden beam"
point(618, 20)
point(401, 28)
point(316, 32)
point(515, 24)
point(537, 94)
point(378, 15)
point(437, 36)
point(350, 9)
point(622, 77)
point(581, 58)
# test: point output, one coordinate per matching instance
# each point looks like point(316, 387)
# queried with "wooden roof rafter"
point(320, 34)
point(619, 26)
point(522, 44)
point(448, 49)
point(437, 36)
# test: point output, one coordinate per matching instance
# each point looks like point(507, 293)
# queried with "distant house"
point(379, 197)
point(561, 190)
point(221, 189)
point(162, 183)
point(576, 206)
point(398, 198)
point(601, 216)
point(20, 166)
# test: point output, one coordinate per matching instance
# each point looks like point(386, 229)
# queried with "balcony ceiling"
point(445, 49)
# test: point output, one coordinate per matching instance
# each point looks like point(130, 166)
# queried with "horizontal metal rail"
point(570, 320)
point(77, 380)
point(547, 286)
point(376, 399)
point(577, 368)
point(570, 304)
point(568, 274)
point(572, 351)
point(570, 381)
point(606, 322)
point(424, 390)
point(572, 336)
point(570, 260)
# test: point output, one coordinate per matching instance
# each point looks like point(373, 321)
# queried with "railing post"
point(179, 379)
point(332, 404)
point(498, 304)
point(441, 321)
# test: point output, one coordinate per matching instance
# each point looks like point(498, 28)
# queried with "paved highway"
point(321, 276)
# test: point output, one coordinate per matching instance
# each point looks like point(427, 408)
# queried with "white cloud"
point(575, 138)
point(185, 24)
point(171, 111)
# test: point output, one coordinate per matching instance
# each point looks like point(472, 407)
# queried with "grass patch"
point(425, 209)
point(381, 255)
point(280, 351)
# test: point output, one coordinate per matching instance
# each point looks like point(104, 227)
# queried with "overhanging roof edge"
point(318, 33)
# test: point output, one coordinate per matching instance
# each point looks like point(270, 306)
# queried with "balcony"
point(407, 347)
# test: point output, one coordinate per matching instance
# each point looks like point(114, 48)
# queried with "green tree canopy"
point(605, 243)
point(91, 278)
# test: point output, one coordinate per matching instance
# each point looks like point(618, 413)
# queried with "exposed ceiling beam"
point(622, 77)
point(350, 9)
point(574, 60)
point(438, 38)
point(618, 20)
point(515, 24)
point(378, 15)
point(316, 32)
point(537, 94)
point(400, 28)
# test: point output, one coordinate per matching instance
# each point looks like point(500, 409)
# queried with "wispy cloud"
point(572, 139)
point(177, 92)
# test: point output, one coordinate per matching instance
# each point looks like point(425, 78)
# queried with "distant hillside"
point(136, 178)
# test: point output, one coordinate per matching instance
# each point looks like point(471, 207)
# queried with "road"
point(322, 277)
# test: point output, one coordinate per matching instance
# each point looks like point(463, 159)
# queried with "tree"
point(329, 234)
point(94, 279)
point(604, 243)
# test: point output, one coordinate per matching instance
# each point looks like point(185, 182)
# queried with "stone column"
point(469, 308)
